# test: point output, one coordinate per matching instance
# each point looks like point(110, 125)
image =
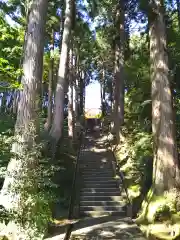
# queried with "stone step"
point(99, 194)
point(98, 166)
point(91, 164)
point(96, 172)
point(100, 185)
point(102, 198)
point(100, 189)
point(121, 213)
point(85, 160)
point(103, 203)
point(103, 180)
point(95, 167)
point(102, 208)
point(98, 179)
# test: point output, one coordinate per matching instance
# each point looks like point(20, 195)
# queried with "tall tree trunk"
point(177, 73)
point(56, 130)
point(62, 24)
point(119, 72)
point(50, 85)
point(103, 93)
point(82, 83)
point(76, 89)
point(76, 97)
point(17, 92)
point(165, 170)
point(70, 98)
point(75, 104)
point(20, 185)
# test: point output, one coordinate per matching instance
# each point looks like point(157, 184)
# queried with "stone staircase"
point(102, 200)
point(100, 193)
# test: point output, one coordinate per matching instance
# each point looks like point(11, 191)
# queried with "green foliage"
point(135, 152)
point(135, 157)
point(53, 181)
point(160, 208)
point(11, 41)
point(162, 212)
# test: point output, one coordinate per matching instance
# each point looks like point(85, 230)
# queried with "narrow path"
point(103, 201)
point(100, 192)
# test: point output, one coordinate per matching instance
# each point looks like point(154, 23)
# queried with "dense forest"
point(49, 52)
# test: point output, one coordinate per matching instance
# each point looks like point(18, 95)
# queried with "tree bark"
point(103, 93)
point(20, 183)
point(56, 129)
point(76, 89)
point(82, 89)
point(165, 170)
point(119, 72)
point(70, 98)
point(50, 85)
point(62, 24)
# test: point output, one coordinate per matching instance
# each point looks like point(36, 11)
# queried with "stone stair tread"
point(102, 207)
point(100, 188)
point(99, 194)
point(97, 177)
point(102, 203)
point(101, 180)
point(94, 162)
point(97, 163)
point(95, 168)
point(101, 198)
point(91, 174)
point(100, 184)
point(98, 170)
point(102, 174)
point(95, 171)
point(102, 213)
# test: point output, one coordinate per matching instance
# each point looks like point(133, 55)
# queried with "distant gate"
point(93, 113)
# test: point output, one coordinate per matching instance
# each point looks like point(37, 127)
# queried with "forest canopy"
point(50, 51)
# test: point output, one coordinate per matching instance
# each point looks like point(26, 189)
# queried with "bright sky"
point(93, 95)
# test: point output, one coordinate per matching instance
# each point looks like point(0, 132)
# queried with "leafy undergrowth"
point(134, 156)
point(158, 217)
point(55, 177)
point(62, 178)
